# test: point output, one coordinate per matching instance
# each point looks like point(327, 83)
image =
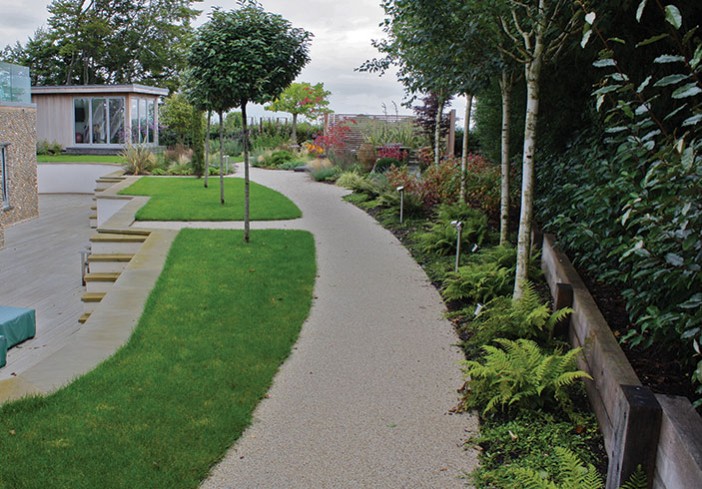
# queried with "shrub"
point(139, 159)
point(329, 174)
point(486, 275)
point(571, 474)
point(351, 180)
point(504, 317)
point(519, 375)
point(382, 164)
point(45, 147)
point(441, 237)
point(274, 158)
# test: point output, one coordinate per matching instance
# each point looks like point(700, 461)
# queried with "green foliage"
point(274, 159)
point(302, 98)
point(380, 132)
point(519, 375)
point(244, 55)
point(45, 147)
point(382, 164)
point(572, 474)
point(483, 276)
point(326, 174)
point(629, 210)
point(130, 41)
point(350, 180)
point(140, 160)
point(638, 480)
point(527, 441)
point(505, 317)
point(441, 236)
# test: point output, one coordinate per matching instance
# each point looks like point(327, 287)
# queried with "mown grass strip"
point(102, 159)
point(186, 199)
point(221, 319)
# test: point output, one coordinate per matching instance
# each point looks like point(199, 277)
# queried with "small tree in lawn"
point(301, 99)
point(241, 56)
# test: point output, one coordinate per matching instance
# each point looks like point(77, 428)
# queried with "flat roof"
point(88, 89)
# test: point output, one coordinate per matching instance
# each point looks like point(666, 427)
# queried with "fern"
point(503, 317)
point(440, 238)
point(637, 480)
point(573, 474)
point(519, 375)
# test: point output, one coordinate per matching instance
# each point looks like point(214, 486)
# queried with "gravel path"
point(364, 399)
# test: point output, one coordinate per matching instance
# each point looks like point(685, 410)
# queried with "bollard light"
point(474, 248)
point(401, 189)
point(459, 229)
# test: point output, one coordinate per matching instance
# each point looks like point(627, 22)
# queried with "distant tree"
point(425, 118)
point(301, 99)
point(176, 115)
point(241, 56)
point(112, 41)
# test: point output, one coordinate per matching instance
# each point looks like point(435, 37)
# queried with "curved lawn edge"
point(186, 199)
point(220, 321)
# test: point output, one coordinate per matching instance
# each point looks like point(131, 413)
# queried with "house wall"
point(55, 115)
point(18, 127)
point(55, 118)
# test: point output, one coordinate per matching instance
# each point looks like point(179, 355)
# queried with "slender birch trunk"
point(532, 71)
point(437, 130)
point(464, 149)
point(506, 91)
point(294, 129)
point(246, 173)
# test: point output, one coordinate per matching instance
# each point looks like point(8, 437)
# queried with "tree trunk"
point(294, 129)
point(246, 172)
point(464, 149)
point(506, 91)
point(437, 130)
point(532, 71)
point(221, 157)
point(207, 147)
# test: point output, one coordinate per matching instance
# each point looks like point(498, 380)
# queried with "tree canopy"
point(301, 99)
point(109, 41)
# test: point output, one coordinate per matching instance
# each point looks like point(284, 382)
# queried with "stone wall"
point(18, 126)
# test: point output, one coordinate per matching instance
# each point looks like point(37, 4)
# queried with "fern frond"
point(530, 479)
point(637, 480)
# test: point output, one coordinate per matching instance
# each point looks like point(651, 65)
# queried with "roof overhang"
point(95, 89)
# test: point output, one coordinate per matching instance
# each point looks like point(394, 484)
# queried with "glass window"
point(116, 118)
point(81, 121)
point(134, 120)
point(99, 122)
point(150, 120)
point(143, 125)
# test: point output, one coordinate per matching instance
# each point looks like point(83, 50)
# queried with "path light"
point(401, 189)
point(474, 248)
point(459, 228)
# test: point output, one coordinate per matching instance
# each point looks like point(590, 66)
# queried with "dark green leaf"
point(669, 58)
point(651, 40)
point(673, 16)
point(670, 80)
point(689, 90)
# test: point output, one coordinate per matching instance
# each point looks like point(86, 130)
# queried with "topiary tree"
point(301, 99)
point(241, 56)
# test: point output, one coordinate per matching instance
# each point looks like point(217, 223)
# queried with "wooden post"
point(563, 299)
point(451, 139)
point(637, 427)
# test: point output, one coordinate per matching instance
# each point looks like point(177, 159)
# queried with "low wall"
point(663, 434)
point(71, 178)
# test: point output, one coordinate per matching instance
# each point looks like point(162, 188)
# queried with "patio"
point(40, 269)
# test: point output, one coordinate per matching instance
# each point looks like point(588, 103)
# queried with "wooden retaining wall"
point(663, 434)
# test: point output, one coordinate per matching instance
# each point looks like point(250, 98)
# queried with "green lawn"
point(186, 199)
point(110, 159)
point(220, 321)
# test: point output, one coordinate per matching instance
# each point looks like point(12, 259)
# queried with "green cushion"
point(17, 324)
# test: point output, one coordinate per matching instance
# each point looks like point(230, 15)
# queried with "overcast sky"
point(342, 30)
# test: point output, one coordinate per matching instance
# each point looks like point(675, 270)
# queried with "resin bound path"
point(364, 400)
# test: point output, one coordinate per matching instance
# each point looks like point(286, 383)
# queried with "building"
point(19, 199)
point(97, 117)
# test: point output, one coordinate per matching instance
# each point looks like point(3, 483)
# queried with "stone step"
point(109, 263)
point(91, 300)
point(112, 243)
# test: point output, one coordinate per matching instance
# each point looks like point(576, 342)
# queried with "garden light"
point(459, 228)
point(401, 189)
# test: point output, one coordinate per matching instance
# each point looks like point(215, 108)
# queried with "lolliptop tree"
point(241, 56)
point(302, 99)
